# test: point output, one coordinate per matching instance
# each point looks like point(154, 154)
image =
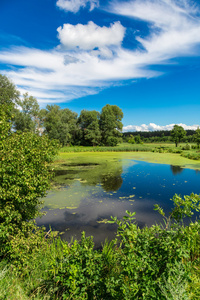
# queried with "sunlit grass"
point(125, 147)
point(104, 157)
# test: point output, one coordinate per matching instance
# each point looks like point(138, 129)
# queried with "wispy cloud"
point(154, 127)
point(174, 25)
point(90, 58)
point(75, 5)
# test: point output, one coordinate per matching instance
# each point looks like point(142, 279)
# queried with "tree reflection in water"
point(176, 169)
point(107, 175)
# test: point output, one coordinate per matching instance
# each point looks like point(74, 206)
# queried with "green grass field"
point(155, 152)
point(127, 147)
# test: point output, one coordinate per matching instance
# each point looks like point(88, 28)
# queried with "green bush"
point(193, 155)
point(24, 178)
point(157, 262)
point(140, 264)
point(186, 147)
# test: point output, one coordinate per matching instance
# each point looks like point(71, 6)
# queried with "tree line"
point(177, 135)
point(90, 128)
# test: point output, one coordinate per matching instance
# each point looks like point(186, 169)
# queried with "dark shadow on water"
point(108, 176)
point(66, 172)
point(80, 165)
point(111, 183)
point(176, 169)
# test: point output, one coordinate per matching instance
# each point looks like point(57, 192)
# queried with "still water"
point(91, 193)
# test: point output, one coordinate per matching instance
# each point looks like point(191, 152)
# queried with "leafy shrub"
point(24, 178)
point(138, 265)
point(131, 140)
point(186, 147)
point(194, 155)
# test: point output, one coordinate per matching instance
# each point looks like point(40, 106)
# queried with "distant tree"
point(26, 115)
point(60, 124)
point(89, 125)
point(197, 137)
point(111, 125)
point(138, 139)
point(131, 140)
point(177, 134)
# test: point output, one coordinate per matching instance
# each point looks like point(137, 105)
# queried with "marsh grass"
point(121, 148)
point(182, 149)
point(126, 147)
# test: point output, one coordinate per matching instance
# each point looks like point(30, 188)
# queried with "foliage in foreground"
point(24, 178)
point(159, 262)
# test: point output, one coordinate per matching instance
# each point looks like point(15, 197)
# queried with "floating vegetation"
point(103, 221)
point(71, 207)
point(107, 179)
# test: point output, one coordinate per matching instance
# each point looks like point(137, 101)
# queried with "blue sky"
point(142, 55)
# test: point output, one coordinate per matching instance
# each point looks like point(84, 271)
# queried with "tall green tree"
point(89, 125)
point(177, 134)
point(111, 125)
point(8, 92)
point(197, 137)
point(26, 116)
point(9, 95)
point(60, 124)
point(24, 177)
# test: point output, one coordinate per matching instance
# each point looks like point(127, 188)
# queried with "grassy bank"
point(119, 148)
point(185, 150)
point(100, 158)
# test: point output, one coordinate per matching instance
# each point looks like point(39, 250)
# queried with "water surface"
point(91, 192)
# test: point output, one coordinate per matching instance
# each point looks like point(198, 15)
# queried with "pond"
point(94, 187)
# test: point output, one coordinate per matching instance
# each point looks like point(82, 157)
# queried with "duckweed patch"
point(89, 187)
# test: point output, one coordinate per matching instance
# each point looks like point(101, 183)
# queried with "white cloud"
point(90, 36)
point(174, 24)
point(75, 5)
point(74, 74)
point(154, 127)
point(91, 57)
